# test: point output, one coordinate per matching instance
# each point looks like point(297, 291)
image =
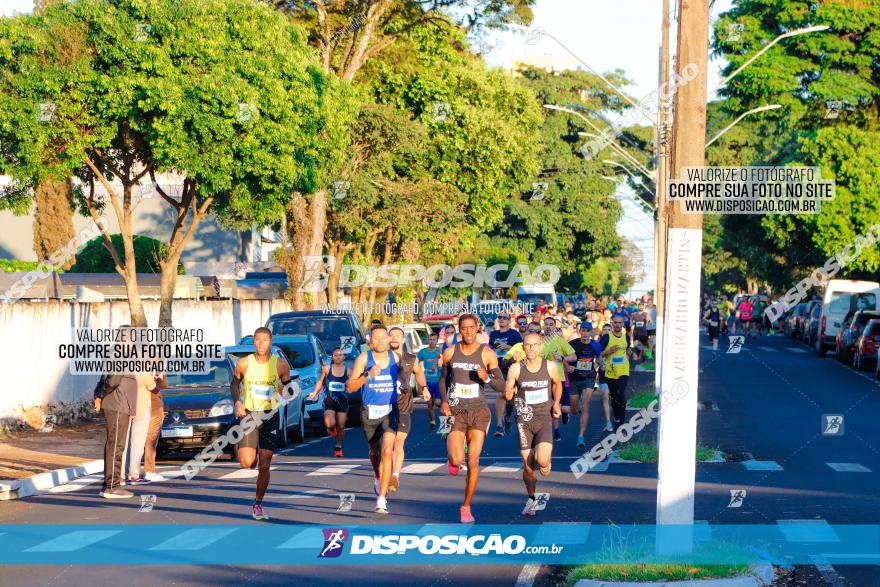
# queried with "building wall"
point(31, 332)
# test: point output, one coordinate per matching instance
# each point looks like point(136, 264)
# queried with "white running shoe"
point(381, 505)
point(155, 477)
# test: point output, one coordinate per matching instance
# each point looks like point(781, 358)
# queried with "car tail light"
point(868, 344)
point(823, 324)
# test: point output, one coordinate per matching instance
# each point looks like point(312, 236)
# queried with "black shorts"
point(713, 333)
point(582, 385)
point(374, 429)
point(336, 402)
point(474, 418)
point(405, 420)
point(602, 378)
point(532, 433)
point(642, 338)
point(266, 436)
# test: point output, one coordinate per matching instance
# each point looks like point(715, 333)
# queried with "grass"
point(622, 546)
point(649, 573)
point(641, 400)
point(646, 452)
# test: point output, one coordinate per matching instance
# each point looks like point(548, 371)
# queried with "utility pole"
point(676, 467)
point(661, 152)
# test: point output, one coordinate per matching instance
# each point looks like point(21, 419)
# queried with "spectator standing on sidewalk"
point(140, 426)
point(157, 415)
point(116, 396)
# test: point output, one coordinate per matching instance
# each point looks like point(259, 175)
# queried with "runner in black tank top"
point(335, 398)
point(466, 368)
point(408, 366)
point(536, 389)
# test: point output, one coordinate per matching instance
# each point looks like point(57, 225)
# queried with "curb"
point(760, 575)
point(32, 485)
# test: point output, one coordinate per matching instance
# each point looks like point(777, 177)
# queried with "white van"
point(841, 296)
point(533, 294)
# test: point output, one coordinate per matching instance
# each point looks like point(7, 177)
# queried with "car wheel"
point(282, 427)
point(298, 432)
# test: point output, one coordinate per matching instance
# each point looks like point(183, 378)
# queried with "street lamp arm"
point(740, 117)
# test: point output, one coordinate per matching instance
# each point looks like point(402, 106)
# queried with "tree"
point(149, 255)
point(226, 94)
point(348, 35)
point(829, 85)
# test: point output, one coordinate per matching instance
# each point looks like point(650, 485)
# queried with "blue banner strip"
point(788, 542)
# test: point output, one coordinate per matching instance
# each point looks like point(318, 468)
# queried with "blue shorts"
point(434, 388)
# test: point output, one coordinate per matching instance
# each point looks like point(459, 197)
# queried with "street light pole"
point(676, 466)
point(740, 117)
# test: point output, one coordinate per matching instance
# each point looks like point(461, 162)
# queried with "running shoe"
point(381, 505)
point(140, 481)
point(259, 514)
point(116, 493)
point(433, 425)
point(376, 486)
point(466, 516)
point(609, 427)
point(337, 452)
point(581, 442)
point(394, 483)
point(529, 510)
point(155, 477)
point(499, 431)
point(557, 436)
point(453, 470)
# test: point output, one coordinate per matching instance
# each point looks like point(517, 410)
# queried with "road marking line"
point(502, 469)
point(765, 349)
point(195, 539)
point(333, 470)
point(849, 467)
point(77, 484)
point(797, 350)
point(761, 466)
point(299, 494)
point(527, 575)
point(827, 571)
point(421, 468)
point(243, 474)
point(807, 531)
point(73, 541)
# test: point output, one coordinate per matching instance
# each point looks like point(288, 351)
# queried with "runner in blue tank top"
point(376, 372)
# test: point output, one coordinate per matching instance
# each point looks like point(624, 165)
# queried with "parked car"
point(810, 328)
point(841, 296)
point(794, 322)
point(847, 337)
point(867, 346)
point(307, 357)
point(199, 407)
point(342, 330)
point(417, 334)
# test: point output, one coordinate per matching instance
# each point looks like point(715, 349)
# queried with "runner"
point(617, 351)
point(725, 308)
point(712, 318)
point(745, 311)
point(376, 372)
point(262, 376)
point(430, 360)
point(522, 324)
point(583, 378)
point(603, 383)
point(501, 341)
point(408, 365)
point(556, 348)
point(333, 379)
point(640, 330)
point(466, 368)
point(530, 381)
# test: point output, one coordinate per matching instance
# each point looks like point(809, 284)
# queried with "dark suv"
point(850, 332)
point(342, 330)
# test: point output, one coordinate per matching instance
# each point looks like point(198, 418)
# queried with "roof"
point(308, 313)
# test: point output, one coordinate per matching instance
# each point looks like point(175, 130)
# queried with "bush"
point(14, 265)
point(148, 252)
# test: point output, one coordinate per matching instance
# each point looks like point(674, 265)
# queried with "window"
point(219, 376)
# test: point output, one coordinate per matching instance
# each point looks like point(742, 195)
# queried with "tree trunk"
point(315, 239)
point(53, 220)
point(292, 258)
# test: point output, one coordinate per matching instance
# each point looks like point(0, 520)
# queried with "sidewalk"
point(33, 460)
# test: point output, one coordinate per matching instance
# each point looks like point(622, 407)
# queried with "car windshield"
point(533, 298)
point(299, 354)
point(219, 376)
point(332, 331)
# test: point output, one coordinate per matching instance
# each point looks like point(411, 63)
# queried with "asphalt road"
point(770, 401)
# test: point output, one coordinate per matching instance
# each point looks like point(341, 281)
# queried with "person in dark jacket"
point(116, 396)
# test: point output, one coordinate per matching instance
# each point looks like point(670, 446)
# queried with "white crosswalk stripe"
point(195, 539)
point(332, 470)
point(510, 468)
point(243, 474)
point(797, 350)
point(765, 349)
point(421, 468)
point(849, 467)
point(73, 541)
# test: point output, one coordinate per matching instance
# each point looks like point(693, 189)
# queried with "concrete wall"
point(30, 333)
